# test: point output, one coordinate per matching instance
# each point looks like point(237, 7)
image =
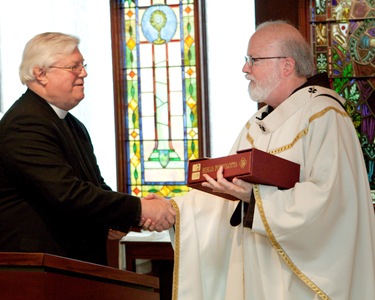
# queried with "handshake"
point(157, 213)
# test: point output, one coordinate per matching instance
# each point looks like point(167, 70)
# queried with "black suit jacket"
point(52, 196)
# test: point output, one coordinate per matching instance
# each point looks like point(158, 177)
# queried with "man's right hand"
point(157, 213)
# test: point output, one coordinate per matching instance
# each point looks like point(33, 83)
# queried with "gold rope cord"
point(281, 251)
point(176, 251)
point(259, 203)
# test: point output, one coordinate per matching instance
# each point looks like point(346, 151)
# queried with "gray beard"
point(257, 95)
point(260, 93)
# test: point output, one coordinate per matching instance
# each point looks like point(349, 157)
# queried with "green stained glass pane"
point(343, 43)
point(161, 95)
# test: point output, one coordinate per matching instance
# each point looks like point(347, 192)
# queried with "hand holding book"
point(250, 165)
point(237, 188)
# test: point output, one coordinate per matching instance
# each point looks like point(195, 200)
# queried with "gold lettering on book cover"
point(230, 165)
point(208, 169)
point(197, 169)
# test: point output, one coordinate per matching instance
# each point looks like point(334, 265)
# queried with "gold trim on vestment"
point(250, 139)
point(269, 232)
point(304, 132)
point(268, 229)
point(280, 250)
point(248, 136)
point(300, 135)
point(176, 251)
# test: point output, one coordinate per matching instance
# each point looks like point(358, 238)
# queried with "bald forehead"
point(278, 28)
point(262, 42)
point(267, 37)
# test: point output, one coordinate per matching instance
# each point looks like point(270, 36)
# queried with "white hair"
point(42, 51)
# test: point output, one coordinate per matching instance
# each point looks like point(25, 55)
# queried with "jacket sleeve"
point(42, 164)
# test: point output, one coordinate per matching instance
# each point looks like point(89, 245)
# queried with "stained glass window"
point(343, 37)
point(160, 95)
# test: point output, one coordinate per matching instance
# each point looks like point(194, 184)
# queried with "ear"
point(40, 75)
point(289, 66)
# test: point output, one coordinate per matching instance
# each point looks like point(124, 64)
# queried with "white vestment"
point(313, 241)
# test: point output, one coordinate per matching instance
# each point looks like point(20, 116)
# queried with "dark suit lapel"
point(80, 152)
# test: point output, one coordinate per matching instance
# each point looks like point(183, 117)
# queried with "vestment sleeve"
point(326, 151)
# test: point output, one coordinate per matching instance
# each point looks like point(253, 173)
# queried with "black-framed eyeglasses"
point(77, 69)
point(251, 60)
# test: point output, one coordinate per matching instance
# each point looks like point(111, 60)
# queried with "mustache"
point(249, 77)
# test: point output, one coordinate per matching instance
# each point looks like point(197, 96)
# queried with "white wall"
point(90, 20)
point(230, 104)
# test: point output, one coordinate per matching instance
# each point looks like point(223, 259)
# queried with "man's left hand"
point(237, 188)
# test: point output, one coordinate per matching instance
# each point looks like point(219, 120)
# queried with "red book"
point(250, 165)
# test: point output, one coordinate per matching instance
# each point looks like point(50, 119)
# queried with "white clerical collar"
point(60, 112)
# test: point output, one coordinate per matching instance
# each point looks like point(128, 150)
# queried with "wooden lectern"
point(40, 276)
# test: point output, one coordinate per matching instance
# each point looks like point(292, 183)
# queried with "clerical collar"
point(264, 114)
point(60, 112)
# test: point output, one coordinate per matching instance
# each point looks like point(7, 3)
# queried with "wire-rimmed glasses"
point(77, 69)
point(251, 60)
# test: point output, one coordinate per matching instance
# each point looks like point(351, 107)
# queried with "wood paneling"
point(295, 12)
point(42, 276)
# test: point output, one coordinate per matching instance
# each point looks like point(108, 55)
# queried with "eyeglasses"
point(251, 60)
point(77, 69)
